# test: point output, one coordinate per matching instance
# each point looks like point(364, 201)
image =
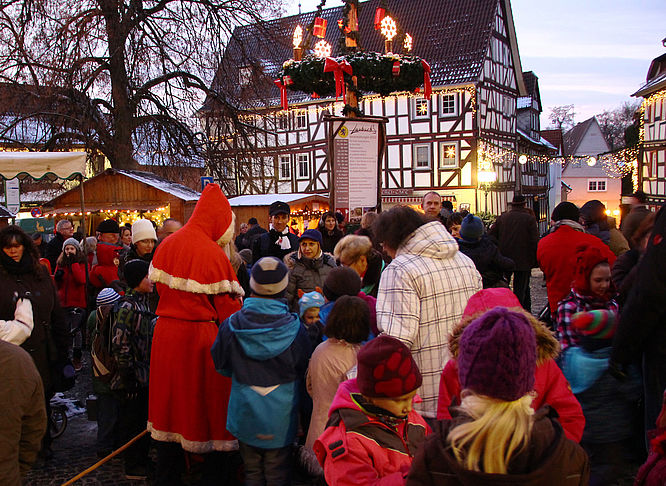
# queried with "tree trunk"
point(122, 148)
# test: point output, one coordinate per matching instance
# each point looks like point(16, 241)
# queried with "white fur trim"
point(229, 234)
point(194, 287)
point(190, 445)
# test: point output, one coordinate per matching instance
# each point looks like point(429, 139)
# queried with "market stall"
point(125, 195)
point(305, 208)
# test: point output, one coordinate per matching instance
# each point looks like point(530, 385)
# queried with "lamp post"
point(486, 177)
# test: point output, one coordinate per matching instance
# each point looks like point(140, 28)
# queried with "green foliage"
point(374, 74)
point(487, 218)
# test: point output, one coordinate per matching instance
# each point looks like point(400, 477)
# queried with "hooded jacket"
point(265, 350)
point(361, 449)
point(422, 296)
point(71, 283)
point(550, 384)
point(550, 459)
point(106, 270)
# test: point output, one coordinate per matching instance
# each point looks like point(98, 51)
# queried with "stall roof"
point(173, 188)
point(4, 212)
point(268, 199)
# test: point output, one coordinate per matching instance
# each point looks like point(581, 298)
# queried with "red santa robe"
point(198, 289)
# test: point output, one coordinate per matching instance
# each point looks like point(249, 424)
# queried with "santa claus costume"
point(198, 289)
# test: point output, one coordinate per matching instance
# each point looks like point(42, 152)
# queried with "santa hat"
point(192, 259)
point(487, 299)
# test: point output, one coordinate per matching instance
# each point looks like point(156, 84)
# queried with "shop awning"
point(65, 165)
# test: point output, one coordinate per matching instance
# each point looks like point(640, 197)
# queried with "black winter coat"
point(329, 240)
point(54, 249)
point(517, 236)
point(265, 246)
point(642, 324)
point(48, 318)
point(488, 261)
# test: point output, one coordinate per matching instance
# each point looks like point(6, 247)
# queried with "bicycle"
point(57, 420)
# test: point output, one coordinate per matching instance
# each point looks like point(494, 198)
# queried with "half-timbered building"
point(433, 144)
point(533, 177)
point(652, 157)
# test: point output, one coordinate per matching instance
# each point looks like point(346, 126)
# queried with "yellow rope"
point(107, 458)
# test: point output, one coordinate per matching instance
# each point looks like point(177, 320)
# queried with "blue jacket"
point(265, 350)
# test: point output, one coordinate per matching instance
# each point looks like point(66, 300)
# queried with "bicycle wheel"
point(58, 422)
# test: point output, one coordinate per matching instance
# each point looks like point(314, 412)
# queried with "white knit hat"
point(143, 229)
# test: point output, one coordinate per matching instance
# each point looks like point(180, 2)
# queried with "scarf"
point(568, 222)
point(281, 238)
point(23, 266)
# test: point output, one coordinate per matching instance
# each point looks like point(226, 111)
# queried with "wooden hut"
point(125, 195)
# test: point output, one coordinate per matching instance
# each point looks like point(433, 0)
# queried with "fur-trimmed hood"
point(548, 346)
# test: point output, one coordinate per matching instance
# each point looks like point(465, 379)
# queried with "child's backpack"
point(103, 362)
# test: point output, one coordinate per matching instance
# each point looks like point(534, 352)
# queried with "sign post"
point(13, 196)
point(356, 147)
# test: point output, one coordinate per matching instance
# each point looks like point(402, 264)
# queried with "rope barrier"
point(106, 459)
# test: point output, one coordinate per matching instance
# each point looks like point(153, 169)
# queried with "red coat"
point(357, 449)
point(106, 270)
point(653, 472)
point(556, 254)
point(198, 289)
point(550, 386)
point(72, 285)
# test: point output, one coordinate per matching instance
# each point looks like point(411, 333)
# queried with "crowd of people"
point(405, 352)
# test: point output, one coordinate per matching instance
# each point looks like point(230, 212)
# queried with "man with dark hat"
point(517, 236)
point(279, 241)
point(108, 231)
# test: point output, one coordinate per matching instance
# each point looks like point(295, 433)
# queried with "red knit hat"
point(386, 369)
point(487, 299)
point(587, 257)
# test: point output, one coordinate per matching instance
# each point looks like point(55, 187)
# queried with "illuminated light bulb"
point(322, 49)
point(388, 28)
point(298, 36)
point(408, 43)
point(522, 159)
point(592, 161)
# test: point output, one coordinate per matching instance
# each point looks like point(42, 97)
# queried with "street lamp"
point(486, 178)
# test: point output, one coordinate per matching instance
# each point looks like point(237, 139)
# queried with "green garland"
point(374, 74)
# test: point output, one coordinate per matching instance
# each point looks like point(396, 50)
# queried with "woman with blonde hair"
point(495, 437)
point(357, 253)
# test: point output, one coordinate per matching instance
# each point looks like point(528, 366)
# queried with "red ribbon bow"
point(283, 94)
point(338, 69)
point(427, 88)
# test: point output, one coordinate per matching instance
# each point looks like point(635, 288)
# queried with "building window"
point(244, 75)
point(448, 155)
point(285, 167)
point(422, 156)
point(421, 108)
point(303, 166)
point(282, 121)
point(596, 185)
point(449, 105)
point(302, 119)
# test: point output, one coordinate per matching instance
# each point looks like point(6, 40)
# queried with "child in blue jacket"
point(265, 350)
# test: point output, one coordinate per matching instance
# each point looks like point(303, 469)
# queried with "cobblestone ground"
point(74, 451)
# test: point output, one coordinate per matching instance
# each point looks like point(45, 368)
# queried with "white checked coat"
point(422, 295)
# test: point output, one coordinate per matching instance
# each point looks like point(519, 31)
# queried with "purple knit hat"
point(498, 355)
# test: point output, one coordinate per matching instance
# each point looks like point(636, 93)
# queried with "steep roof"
point(656, 77)
point(554, 136)
point(572, 139)
point(452, 35)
